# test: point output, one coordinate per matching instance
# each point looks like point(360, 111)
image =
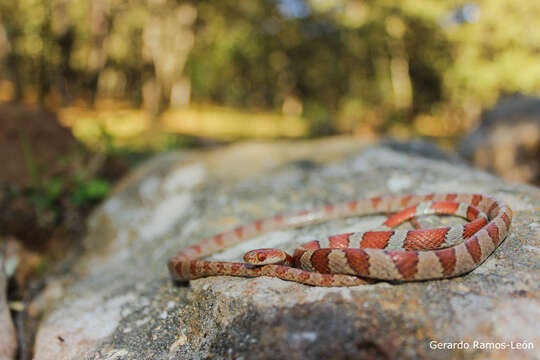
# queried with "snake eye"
point(261, 256)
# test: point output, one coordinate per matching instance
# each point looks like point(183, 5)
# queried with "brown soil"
point(31, 140)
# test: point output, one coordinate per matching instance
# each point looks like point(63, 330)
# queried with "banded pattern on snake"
point(359, 258)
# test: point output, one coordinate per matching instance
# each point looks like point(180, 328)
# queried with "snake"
point(357, 258)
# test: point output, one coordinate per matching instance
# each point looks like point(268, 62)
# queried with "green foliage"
point(46, 195)
point(396, 59)
point(45, 199)
point(88, 192)
point(82, 193)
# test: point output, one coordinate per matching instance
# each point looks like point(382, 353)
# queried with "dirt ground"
point(26, 149)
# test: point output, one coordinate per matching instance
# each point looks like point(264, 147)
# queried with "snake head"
point(266, 257)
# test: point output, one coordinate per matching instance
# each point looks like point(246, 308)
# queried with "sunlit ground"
point(132, 127)
point(117, 123)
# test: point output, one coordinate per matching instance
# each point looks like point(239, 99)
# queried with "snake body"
point(358, 258)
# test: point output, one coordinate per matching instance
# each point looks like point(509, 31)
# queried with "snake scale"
point(363, 257)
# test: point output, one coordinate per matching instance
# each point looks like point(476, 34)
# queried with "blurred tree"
point(343, 65)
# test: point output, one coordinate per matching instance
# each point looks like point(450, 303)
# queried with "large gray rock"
point(118, 302)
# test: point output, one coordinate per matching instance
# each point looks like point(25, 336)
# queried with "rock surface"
point(118, 302)
point(507, 142)
point(8, 340)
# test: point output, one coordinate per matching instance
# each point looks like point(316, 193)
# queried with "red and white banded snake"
point(361, 257)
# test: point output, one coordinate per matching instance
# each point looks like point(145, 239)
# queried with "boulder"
point(507, 140)
point(118, 302)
